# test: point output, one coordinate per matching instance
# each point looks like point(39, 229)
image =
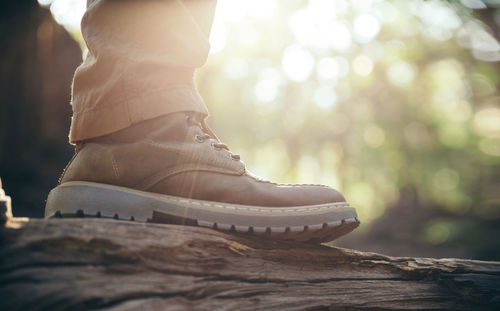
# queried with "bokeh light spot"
point(487, 122)
point(266, 90)
point(331, 68)
point(342, 39)
point(386, 12)
point(362, 65)
point(453, 135)
point(455, 110)
point(328, 68)
point(366, 27)
point(297, 63)
point(490, 146)
point(236, 68)
point(325, 97)
point(401, 73)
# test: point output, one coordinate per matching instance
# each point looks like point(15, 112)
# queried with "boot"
point(174, 169)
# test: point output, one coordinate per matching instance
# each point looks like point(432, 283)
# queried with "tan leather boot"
point(173, 169)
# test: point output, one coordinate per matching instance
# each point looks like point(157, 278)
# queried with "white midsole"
point(227, 207)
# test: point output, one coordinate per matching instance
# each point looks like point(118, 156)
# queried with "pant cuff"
point(105, 120)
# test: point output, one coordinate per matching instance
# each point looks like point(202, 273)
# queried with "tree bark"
point(105, 264)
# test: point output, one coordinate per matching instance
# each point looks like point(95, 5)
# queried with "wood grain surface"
point(105, 264)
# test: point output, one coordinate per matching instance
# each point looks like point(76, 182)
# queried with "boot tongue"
point(176, 134)
point(199, 119)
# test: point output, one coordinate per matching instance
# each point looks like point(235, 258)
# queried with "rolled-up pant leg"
point(140, 63)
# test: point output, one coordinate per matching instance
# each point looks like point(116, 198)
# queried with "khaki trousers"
point(140, 63)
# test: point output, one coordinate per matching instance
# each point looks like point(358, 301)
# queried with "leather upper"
point(174, 155)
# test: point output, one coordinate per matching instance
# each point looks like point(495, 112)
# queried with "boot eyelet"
point(215, 147)
point(198, 138)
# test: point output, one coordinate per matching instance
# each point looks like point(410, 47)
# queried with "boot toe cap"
point(319, 194)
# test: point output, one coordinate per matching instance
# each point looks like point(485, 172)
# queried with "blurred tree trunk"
point(488, 16)
point(37, 61)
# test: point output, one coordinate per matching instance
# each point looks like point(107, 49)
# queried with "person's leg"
point(144, 151)
point(140, 64)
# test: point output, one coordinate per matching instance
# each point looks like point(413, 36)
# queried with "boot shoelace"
point(209, 134)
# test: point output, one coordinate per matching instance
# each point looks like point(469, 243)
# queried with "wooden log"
point(105, 264)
